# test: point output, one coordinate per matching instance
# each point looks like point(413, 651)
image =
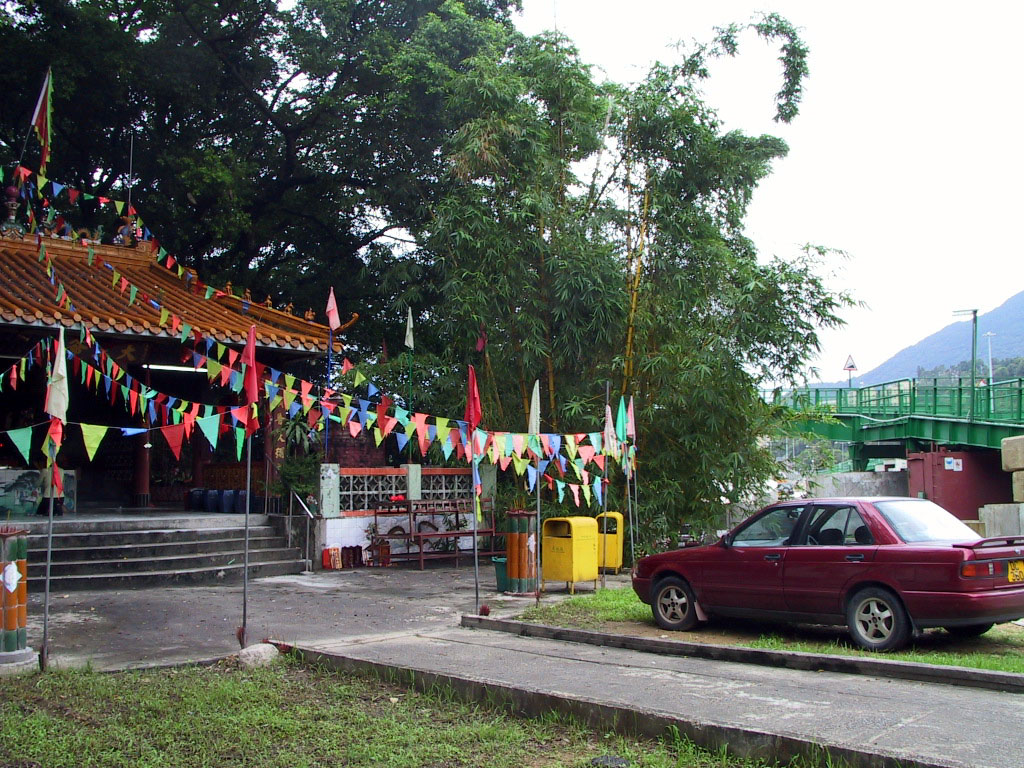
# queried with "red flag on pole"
point(41, 119)
point(333, 319)
point(473, 412)
point(251, 384)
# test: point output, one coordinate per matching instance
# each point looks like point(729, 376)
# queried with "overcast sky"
point(907, 153)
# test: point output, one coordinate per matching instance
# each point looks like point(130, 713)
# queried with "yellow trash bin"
point(609, 541)
point(569, 551)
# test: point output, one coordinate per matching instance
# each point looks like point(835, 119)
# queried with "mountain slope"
point(952, 344)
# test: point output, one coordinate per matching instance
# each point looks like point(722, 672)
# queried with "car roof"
point(850, 499)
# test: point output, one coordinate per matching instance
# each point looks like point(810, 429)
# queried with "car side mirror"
point(726, 541)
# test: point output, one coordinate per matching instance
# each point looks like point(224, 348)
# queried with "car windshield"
point(920, 520)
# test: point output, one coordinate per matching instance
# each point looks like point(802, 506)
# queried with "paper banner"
point(531, 478)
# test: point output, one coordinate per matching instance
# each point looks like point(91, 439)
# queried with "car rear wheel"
point(877, 620)
point(969, 630)
point(673, 604)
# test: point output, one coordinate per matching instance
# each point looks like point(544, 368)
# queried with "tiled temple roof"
point(28, 298)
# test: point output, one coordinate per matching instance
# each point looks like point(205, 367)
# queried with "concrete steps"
point(109, 551)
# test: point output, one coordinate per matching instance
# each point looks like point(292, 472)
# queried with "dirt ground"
point(1001, 639)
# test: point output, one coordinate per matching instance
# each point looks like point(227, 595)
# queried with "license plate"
point(1015, 571)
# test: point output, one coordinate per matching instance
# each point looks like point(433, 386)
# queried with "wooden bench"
point(421, 531)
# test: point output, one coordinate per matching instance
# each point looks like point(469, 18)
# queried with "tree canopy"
point(424, 154)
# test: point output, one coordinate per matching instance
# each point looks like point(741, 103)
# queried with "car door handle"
point(775, 556)
point(854, 558)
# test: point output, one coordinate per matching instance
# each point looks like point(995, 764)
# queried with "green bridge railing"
point(953, 399)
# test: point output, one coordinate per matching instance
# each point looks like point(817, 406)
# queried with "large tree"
point(425, 154)
point(638, 273)
point(279, 148)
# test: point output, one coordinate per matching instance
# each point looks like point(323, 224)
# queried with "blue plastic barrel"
point(239, 502)
point(212, 501)
point(196, 499)
point(227, 502)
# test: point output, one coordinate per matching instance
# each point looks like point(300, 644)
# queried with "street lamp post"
point(989, 336)
point(974, 353)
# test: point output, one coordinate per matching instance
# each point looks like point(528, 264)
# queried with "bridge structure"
point(890, 419)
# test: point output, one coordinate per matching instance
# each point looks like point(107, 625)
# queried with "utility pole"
point(974, 354)
point(991, 379)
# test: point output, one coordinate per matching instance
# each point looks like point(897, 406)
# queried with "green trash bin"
point(501, 573)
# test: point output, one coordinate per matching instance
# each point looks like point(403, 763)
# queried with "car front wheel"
point(877, 620)
point(673, 604)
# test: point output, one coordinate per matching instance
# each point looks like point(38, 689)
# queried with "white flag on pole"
point(57, 386)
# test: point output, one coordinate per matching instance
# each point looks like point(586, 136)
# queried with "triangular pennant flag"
point(586, 453)
point(531, 478)
point(92, 436)
point(210, 427)
point(560, 486)
point(518, 444)
point(520, 465)
point(174, 435)
point(442, 429)
point(22, 439)
point(575, 490)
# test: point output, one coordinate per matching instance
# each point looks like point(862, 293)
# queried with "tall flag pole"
point(41, 122)
point(607, 439)
point(56, 406)
point(533, 427)
point(472, 419)
point(251, 388)
point(333, 323)
point(410, 344)
point(633, 510)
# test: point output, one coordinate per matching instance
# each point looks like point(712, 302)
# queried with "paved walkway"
point(405, 620)
point(750, 709)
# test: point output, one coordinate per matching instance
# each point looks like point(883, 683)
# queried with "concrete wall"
point(860, 484)
point(1002, 519)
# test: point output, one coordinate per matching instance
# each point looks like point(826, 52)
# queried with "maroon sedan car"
point(884, 567)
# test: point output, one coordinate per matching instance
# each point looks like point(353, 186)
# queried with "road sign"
point(850, 365)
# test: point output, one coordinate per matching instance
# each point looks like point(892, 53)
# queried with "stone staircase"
point(95, 552)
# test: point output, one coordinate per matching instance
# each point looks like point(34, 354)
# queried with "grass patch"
point(1000, 649)
point(590, 611)
point(292, 716)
